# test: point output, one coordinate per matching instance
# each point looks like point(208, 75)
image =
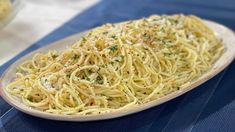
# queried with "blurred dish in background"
point(5, 8)
point(8, 10)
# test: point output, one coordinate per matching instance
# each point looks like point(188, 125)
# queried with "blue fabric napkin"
point(210, 107)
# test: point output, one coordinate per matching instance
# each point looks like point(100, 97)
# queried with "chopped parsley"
point(99, 80)
point(178, 88)
point(111, 62)
point(90, 71)
point(68, 75)
point(54, 56)
point(106, 32)
point(30, 99)
point(87, 78)
point(114, 37)
point(114, 48)
point(103, 65)
point(145, 34)
point(75, 57)
point(84, 39)
point(163, 29)
point(164, 42)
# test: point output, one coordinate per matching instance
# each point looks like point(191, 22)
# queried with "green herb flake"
point(145, 35)
point(75, 57)
point(178, 88)
point(89, 71)
point(106, 32)
point(114, 48)
point(162, 29)
point(68, 75)
point(87, 78)
point(164, 42)
point(30, 99)
point(54, 56)
point(102, 65)
point(111, 62)
point(84, 39)
point(114, 37)
point(99, 80)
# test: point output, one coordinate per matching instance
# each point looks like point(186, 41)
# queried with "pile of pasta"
point(118, 66)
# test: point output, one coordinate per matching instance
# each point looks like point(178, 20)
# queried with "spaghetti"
point(118, 66)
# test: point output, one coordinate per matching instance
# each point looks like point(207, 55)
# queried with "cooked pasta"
point(118, 66)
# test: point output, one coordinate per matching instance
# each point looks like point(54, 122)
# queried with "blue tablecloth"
point(210, 107)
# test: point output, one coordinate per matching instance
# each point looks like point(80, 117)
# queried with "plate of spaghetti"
point(118, 69)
